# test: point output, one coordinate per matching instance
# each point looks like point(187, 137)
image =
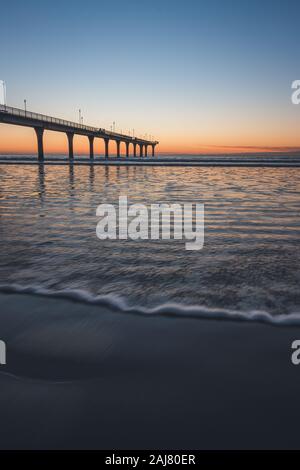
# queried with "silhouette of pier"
point(41, 122)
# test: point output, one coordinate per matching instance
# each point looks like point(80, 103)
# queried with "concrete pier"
point(39, 134)
point(40, 123)
point(91, 141)
point(118, 148)
point(106, 141)
point(141, 150)
point(70, 136)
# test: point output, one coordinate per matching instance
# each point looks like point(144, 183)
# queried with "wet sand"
point(86, 376)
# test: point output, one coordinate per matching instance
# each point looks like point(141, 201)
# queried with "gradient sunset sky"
point(200, 76)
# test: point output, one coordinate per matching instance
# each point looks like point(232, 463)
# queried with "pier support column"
point(39, 134)
point(118, 148)
point(70, 136)
point(141, 150)
point(134, 150)
point(106, 141)
point(153, 150)
point(91, 140)
point(146, 150)
point(127, 149)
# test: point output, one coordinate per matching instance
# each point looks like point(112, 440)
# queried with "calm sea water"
point(250, 258)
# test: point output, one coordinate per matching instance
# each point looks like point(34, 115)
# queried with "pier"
point(41, 122)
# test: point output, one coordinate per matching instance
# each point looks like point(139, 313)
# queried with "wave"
point(169, 309)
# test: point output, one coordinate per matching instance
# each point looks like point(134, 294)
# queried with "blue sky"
point(213, 72)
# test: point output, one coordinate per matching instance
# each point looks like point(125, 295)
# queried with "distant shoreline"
point(228, 161)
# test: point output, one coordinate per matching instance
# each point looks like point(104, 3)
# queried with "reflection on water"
point(252, 226)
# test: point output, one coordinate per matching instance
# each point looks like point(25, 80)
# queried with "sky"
point(205, 76)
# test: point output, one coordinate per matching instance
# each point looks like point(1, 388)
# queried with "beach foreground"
point(86, 376)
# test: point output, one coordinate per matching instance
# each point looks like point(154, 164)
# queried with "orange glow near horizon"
point(22, 140)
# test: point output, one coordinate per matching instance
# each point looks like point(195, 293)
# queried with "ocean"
point(249, 265)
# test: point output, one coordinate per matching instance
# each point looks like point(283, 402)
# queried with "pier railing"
point(44, 118)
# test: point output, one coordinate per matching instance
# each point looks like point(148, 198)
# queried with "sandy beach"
point(87, 376)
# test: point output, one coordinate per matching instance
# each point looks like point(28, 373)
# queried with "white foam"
point(118, 303)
